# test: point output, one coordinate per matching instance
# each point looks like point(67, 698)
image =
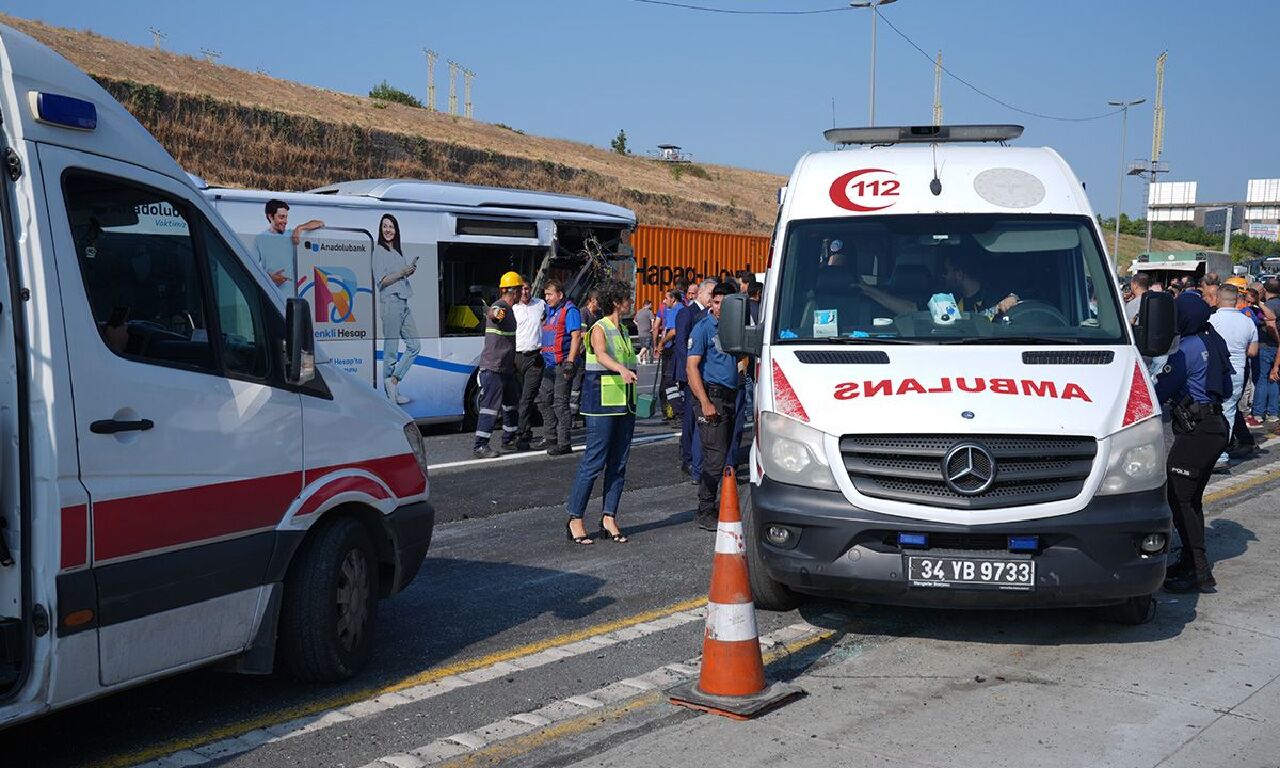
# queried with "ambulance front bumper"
point(1085, 558)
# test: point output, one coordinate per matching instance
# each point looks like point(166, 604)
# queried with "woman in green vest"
point(609, 408)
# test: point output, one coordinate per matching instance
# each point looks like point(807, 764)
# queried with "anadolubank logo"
point(335, 294)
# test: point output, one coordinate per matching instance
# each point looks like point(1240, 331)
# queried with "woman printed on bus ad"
point(391, 270)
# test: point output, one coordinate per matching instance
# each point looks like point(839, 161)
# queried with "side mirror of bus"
point(1157, 324)
point(736, 336)
point(300, 342)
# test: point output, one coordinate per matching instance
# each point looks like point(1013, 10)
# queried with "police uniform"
point(498, 390)
point(719, 371)
point(1194, 383)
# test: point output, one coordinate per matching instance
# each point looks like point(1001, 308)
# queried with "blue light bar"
point(64, 111)
point(913, 540)
point(1024, 543)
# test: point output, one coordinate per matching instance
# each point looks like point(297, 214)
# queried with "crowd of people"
point(550, 355)
point(1223, 365)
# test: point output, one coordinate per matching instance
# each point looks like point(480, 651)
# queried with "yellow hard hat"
point(1238, 282)
point(511, 280)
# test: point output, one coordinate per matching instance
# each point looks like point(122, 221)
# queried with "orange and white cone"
point(731, 682)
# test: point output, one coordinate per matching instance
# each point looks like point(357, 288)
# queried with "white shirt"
point(1238, 331)
point(529, 325)
point(1131, 308)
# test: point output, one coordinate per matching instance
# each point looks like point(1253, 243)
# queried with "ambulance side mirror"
point(736, 337)
point(1157, 324)
point(299, 342)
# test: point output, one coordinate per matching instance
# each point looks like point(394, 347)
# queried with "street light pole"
point(1124, 127)
point(871, 90)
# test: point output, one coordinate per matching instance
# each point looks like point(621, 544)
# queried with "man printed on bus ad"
point(276, 246)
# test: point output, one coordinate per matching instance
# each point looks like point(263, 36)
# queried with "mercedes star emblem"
point(968, 469)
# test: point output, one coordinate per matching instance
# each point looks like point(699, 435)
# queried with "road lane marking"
point(315, 716)
point(519, 455)
point(518, 735)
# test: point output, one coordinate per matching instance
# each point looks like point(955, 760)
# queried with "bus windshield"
point(946, 279)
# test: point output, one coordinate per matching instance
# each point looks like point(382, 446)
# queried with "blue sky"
point(756, 91)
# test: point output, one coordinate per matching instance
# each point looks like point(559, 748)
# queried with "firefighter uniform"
point(498, 391)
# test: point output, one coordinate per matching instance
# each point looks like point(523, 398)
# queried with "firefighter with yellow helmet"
point(497, 374)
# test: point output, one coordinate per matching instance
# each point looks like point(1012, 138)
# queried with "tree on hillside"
point(619, 143)
point(384, 91)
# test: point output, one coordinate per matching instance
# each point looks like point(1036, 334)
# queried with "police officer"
point(1194, 383)
point(498, 369)
point(713, 384)
point(686, 319)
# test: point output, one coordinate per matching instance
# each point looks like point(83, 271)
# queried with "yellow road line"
point(497, 754)
point(1236, 490)
point(428, 676)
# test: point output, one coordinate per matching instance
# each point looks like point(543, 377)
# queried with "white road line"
point(661, 678)
point(217, 750)
point(643, 440)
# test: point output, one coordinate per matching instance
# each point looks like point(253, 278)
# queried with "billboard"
point(1172, 193)
point(1263, 191)
point(1264, 231)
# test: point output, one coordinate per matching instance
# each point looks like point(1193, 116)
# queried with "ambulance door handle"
point(113, 426)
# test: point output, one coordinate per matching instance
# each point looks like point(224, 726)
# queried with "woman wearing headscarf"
point(1194, 383)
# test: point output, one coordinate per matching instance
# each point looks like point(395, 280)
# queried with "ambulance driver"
point(392, 270)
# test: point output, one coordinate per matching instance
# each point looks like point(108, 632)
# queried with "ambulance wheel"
point(330, 603)
point(768, 594)
point(1132, 612)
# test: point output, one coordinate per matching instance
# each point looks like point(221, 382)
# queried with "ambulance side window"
point(239, 309)
point(140, 271)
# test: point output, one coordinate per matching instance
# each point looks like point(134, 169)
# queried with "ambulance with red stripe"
point(952, 409)
point(184, 478)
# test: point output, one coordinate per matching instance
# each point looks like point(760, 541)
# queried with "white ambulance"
point(183, 477)
point(952, 410)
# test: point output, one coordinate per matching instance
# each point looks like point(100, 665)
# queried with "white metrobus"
point(428, 328)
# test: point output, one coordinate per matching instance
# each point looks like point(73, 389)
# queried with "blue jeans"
point(1266, 393)
point(608, 446)
point(397, 324)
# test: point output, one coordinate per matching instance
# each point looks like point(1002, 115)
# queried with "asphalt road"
point(507, 617)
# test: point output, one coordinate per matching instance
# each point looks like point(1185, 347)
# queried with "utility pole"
point(453, 86)
point(1157, 133)
point(157, 36)
point(430, 78)
point(874, 5)
point(210, 54)
point(1226, 240)
point(1124, 127)
point(937, 91)
point(467, 77)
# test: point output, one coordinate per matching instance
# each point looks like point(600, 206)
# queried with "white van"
point(459, 238)
point(183, 477)
point(951, 407)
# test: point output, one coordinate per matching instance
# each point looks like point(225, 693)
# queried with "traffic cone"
point(731, 682)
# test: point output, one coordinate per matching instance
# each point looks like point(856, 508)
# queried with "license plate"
point(971, 573)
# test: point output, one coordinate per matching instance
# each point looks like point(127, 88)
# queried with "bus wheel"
point(470, 405)
point(769, 595)
point(330, 603)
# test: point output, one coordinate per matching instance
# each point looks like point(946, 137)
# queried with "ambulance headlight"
point(793, 453)
point(1136, 459)
point(417, 445)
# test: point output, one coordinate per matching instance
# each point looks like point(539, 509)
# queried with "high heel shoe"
point(568, 534)
point(618, 537)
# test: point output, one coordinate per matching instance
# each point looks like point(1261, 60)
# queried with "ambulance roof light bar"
point(922, 134)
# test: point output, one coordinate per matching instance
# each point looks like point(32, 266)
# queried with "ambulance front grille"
point(1029, 469)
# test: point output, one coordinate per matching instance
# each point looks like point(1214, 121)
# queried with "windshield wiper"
point(995, 340)
point(851, 340)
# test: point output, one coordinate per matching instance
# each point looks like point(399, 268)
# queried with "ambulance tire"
point(1130, 613)
point(330, 604)
point(769, 595)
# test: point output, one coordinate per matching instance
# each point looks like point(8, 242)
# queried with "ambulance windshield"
point(946, 279)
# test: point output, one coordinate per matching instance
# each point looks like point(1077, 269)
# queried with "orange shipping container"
point(666, 254)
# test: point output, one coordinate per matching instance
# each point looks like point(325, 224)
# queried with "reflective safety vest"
point(604, 393)
point(556, 342)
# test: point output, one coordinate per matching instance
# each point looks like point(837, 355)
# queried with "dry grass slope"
point(246, 129)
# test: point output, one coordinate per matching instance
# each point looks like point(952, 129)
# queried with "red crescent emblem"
point(840, 194)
